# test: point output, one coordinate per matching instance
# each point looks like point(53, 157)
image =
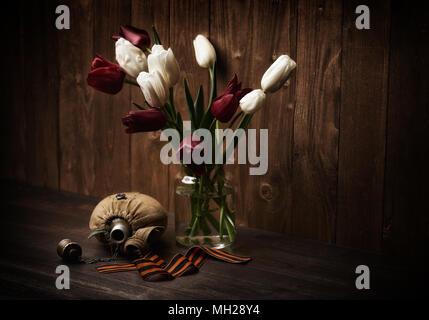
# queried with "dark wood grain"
point(363, 127)
point(76, 112)
point(315, 147)
point(187, 20)
point(406, 222)
point(41, 95)
point(110, 144)
point(148, 174)
point(94, 148)
point(283, 267)
point(263, 201)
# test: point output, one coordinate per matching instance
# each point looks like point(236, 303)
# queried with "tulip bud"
point(138, 37)
point(204, 52)
point(105, 76)
point(152, 119)
point(224, 107)
point(130, 58)
point(277, 73)
point(164, 61)
point(252, 101)
point(154, 88)
point(226, 104)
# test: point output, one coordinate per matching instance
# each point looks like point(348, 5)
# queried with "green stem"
point(198, 213)
point(208, 117)
point(235, 119)
point(213, 85)
point(230, 229)
point(170, 103)
point(200, 191)
point(211, 125)
point(131, 82)
point(194, 227)
point(137, 105)
point(243, 124)
point(222, 209)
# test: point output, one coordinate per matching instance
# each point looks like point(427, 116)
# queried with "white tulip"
point(154, 88)
point(130, 58)
point(204, 52)
point(277, 73)
point(252, 101)
point(164, 61)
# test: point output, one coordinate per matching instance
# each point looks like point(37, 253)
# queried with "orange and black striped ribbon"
point(151, 265)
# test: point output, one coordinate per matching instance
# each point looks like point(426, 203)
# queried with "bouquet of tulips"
point(157, 74)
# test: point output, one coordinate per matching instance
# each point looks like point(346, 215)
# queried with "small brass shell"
point(68, 250)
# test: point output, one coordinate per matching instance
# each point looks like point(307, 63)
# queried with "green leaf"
point(207, 120)
point(230, 229)
point(95, 232)
point(199, 106)
point(138, 106)
point(167, 111)
point(230, 221)
point(155, 36)
point(190, 103)
point(171, 103)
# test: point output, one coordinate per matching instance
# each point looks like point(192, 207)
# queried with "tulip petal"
point(224, 107)
point(154, 88)
point(241, 93)
point(100, 61)
point(130, 58)
point(205, 53)
point(226, 104)
point(232, 87)
point(106, 79)
point(144, 120)
point(277, 74)
point(138, 37)
point(252, 101)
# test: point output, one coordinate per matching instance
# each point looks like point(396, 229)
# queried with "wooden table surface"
point(284, 267)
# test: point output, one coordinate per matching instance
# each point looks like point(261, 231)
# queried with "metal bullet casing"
point(68, 250)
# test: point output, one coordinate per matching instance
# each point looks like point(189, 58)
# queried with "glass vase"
point(204, 213)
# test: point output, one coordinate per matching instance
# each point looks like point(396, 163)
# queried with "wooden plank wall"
point(348, 132)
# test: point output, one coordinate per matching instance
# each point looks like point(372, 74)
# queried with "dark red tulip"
point(152, 119)
point(187, 146)
point(138, 37)
point(224, 107)
point(232, 87)
point(105, 76)
point(226, 104)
